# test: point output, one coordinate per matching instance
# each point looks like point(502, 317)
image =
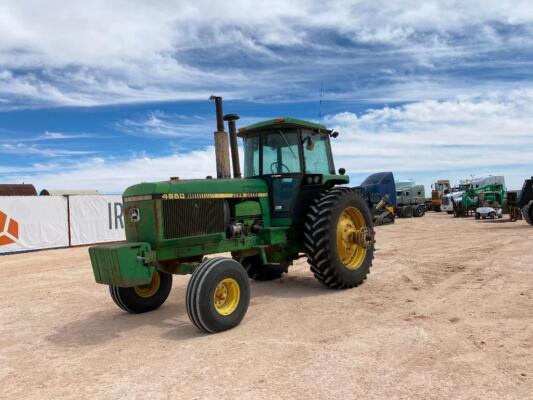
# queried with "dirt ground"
point(447, 313)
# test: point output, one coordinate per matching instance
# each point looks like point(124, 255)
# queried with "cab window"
point(316, 153)
point(251, 154)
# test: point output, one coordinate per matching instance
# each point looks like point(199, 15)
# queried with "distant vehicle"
point(488, 212)
point(439, 189)
point(449, 199)
point(520, 204)
point(379, 191)
point(410, 200)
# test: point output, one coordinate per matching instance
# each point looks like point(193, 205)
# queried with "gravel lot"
point(447, 313)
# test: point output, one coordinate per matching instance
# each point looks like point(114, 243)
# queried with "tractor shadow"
point(110, 324)
point(295, 284)
point(170, 321)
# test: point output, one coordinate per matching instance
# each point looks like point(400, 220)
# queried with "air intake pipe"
point(221, 142)
point(232, 129)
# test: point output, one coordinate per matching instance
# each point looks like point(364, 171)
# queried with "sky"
point(106, 94)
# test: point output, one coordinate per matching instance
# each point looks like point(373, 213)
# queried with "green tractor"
point(288, 205)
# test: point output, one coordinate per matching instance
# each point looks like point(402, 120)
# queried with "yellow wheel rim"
point(352, 238)
point(227, 296)
point(146, 291)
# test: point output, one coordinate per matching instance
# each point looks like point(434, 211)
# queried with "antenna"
point(320, 102)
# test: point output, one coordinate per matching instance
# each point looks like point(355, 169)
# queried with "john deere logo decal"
point(9, 230)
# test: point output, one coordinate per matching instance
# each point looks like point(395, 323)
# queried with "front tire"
point(339, 238)
point(144, 298)
point(218, 295)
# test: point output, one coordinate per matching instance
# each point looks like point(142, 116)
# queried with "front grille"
point(193, 217)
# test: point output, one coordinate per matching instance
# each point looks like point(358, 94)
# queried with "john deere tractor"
point(288, 205)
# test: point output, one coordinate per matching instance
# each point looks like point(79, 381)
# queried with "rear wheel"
point(144, 298)
point(218, 295)
point(492, 215)
point(339, 238)
point(419, 211)
point(527, 213)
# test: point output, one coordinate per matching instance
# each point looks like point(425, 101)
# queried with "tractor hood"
point(197, 188)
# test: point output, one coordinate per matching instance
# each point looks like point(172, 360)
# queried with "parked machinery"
point(492, 195)
point(410, 201)
point(439, 189)
point(520, 204)
point(449, 199)
point(288, 205)
point(379, 191)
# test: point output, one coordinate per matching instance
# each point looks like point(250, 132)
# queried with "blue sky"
point(110, 93)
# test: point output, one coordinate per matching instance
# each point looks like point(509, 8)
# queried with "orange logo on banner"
point(9, 233)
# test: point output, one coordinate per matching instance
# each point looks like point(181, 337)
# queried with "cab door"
point(282, 169)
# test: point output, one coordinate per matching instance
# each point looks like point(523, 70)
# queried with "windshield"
point(280, 153)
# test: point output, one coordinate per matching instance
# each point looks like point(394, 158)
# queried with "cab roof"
point(285, 122)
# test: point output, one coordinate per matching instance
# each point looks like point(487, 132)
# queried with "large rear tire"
point(144, 298)
point(527, 213)
point(339, 238)
point(218, 295)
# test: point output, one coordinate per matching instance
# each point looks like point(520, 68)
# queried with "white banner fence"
point(44, 222)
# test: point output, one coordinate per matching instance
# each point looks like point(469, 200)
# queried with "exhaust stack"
point(231, 118)
point(221, 142)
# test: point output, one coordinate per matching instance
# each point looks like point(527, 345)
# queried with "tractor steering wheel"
point(279, 164)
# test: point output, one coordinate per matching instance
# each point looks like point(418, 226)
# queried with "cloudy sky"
point(104, 94)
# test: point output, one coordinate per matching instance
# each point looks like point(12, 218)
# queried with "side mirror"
point(334, 134)
point(342, 171)
point(310, 145)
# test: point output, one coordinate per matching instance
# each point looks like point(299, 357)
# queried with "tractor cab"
point(294, 158)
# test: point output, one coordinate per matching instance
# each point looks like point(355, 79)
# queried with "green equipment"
point(288, 205)
point(492, 195)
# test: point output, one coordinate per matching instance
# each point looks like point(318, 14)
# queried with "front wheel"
point(144, 298)
point(339, 238)
point(218, 295)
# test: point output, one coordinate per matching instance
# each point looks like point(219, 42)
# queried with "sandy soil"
point(447, 313)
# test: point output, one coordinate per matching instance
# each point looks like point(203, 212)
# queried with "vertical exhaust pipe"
point(221, 142)
point(232, 129)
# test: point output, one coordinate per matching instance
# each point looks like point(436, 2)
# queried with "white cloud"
point(70, 53)
point(113, 176)
point(429, 140)
point(21, 149)
point(477, 135)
